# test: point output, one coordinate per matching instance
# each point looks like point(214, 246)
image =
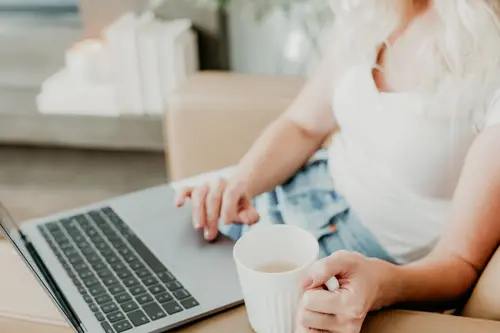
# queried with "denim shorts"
point(308, 200)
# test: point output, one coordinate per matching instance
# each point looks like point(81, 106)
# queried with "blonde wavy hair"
point(462, 57)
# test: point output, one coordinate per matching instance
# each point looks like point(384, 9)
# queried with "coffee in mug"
point(276, 267)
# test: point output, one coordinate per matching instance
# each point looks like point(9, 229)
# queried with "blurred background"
point(86, 87)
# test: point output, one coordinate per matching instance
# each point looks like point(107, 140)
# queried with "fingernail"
point(207, 234)
point(308, 282)
point(197, 226)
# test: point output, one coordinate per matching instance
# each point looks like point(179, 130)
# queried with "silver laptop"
point(131, 264)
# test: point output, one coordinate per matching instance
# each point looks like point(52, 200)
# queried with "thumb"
point(248, 214)
point(322, 271)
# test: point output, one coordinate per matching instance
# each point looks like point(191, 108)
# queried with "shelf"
point(119, 133)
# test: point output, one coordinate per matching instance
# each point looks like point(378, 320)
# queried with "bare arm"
point(291, 140)
point(471, 235)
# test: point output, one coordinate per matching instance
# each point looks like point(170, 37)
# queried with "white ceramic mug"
point(272, 299)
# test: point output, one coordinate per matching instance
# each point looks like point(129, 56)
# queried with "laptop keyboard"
point(122, 281)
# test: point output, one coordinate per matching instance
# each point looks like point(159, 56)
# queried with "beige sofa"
point(214, 118)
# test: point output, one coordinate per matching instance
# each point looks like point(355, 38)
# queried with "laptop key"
point(79, 238)
point(137, 290)
point(111, 259)
point(189, 303)
point(124, 274)
point(138, 318)
point(143, 273)
point(154, 311)
point(129, 306)
point(136, 265)
point(89, 282)
point(76, 282)
point(116, 289)
point(97, 290)
point(63, 243)
point(82, 290)
point(80, 267)
point(86, 274)
point(156, 289)
point(122, 298)
point(110, 281)
point(130, 282)
point(104, 273)
point(107, 327)
point(117, 266)
point(130, 258)
point(100, 316)
point(165, 276)
point(149, 281)
point(122, 326)
point(98, 265)
point(88, 252)
point(93, 258)
point(163, 297)
point(172, 307)
point(83, 244)
point(125, 252)
point(103, 299)
point(102, 247)
point(120, 245)
point(109, 307)
point(75, 259)
point(173, 285)
point(144, 298)
point(113, 317)
point(181, 294)
point(93, 307)
point(97, 239)
point(52, 226)
point(69, 251)
point(87, 298)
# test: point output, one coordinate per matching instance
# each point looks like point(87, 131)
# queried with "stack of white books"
point(130, 71)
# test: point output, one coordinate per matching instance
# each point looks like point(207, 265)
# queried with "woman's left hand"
point(362, 283)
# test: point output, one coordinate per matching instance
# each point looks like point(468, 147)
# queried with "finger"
point(182, 195)
point(323, 270)
point(229, 210)
point(214, 203)
point(249, 215)
point(199, 206)
point(339, 303)
point(319, 321)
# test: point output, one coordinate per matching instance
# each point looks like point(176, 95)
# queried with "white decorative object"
point(149, 64)
point(121, 37)
point(131, 72)
point(173, 67)
point(62, 93)
point(88, 60)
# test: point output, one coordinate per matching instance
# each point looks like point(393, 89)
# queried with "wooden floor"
point(36, 182)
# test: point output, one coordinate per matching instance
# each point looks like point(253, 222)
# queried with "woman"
point(411, 182)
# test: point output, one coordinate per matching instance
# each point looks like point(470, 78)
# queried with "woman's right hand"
point(219, 199)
